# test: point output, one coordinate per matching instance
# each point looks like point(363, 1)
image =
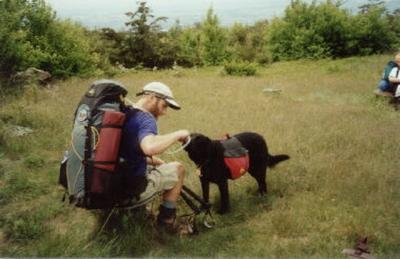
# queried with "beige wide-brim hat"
point(162, 91)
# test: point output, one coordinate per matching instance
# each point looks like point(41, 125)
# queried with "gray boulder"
point(32, 76)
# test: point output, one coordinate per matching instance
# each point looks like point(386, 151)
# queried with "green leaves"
point(214, 40)
point(31, 36)
point(326, 30)
point(145, 43)
point(240, 68)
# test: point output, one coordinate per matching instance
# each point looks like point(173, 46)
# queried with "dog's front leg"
point(223, 189)
point(205, 187)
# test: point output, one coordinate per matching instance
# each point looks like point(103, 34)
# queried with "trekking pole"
point(205, 207)
point(204, 204)
point(190, 203)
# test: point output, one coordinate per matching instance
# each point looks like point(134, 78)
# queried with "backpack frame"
point(94, 183)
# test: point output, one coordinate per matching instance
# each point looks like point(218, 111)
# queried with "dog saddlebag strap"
point(236, 157)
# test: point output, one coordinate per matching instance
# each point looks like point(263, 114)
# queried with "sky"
point(111, 13)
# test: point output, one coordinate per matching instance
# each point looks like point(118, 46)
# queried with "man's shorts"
point(161, 179)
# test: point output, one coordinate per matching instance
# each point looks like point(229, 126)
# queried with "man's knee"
point(384, 85)
point(180, 170)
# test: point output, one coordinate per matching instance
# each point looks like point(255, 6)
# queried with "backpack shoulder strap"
point(130, 112)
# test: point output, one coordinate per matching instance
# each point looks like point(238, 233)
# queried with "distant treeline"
point(32, 36)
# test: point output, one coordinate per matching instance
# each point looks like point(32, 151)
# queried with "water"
point(106, 13)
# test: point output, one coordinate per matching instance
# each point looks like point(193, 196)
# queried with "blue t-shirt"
point(137, 126)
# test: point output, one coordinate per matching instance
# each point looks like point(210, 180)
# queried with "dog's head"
point(199, 148)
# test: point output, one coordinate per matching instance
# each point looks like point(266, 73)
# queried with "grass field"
point(341, 183)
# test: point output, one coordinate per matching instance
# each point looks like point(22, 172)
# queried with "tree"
point(246, 42)
point(319, 30)
point(373, 31)
point(394, 23)
point(190, 48)
point(145, 44)
point(213, 40)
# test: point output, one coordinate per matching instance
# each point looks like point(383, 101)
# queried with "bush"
point(320, 30)
point(32, 36)
point(190, 50)
point(247, 43)
point(309, 31)
point(241, 68)
point(372, 31)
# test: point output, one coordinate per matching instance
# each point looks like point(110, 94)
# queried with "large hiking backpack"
point(394, 87)
point(390, 65)
point(91, 170)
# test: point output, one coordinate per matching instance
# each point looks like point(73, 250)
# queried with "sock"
point(169, 204)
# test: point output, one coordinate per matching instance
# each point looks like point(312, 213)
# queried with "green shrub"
point(247, 42)
point(241, 68)
point(320, 30)
point(32, 36)
point(190, 51)
point(372, 31)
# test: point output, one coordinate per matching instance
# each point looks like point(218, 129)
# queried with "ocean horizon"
point(104, 13)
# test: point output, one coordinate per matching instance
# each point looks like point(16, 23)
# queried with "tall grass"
point(340, 184)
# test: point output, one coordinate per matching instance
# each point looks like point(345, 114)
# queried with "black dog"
point(208, 155)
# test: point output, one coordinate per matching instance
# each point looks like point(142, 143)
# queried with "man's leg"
point(174, 193)
point(165, 180)
point(167, 213)
point(166, 218)
point(384, 88)
point(384, 85)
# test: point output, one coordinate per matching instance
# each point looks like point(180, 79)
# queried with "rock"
point(272, 90)
point(356, 254)
point(32, 75)
point(360, 250)
point(19, 131)
point(121, 67)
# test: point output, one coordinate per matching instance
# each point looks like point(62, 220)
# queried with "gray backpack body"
point(91, 170)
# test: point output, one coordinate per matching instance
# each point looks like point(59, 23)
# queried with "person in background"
point(386, 86)
point(394, 76)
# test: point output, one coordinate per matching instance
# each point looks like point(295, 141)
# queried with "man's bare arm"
point(156, 144)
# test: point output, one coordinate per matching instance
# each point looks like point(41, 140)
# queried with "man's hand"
point(183, 135)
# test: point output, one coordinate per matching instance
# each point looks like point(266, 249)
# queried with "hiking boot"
point(379, 92)
point(168, 222)
point(177, 227)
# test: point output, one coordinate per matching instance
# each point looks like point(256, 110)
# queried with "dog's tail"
point(274, 160)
